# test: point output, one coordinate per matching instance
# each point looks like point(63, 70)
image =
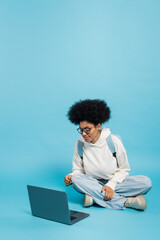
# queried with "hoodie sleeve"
point(123, 169)
point(77, 164)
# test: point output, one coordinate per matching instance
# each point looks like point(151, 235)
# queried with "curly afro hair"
point(93, 111)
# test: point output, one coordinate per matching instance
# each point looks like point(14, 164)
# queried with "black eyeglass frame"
point(86, 130)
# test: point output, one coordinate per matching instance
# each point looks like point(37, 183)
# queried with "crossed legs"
point(130, 187)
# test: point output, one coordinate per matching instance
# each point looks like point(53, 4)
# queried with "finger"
point(102, 190)
point(106, 198)
point(69, 179)
point(106, 195)
point(67, 182)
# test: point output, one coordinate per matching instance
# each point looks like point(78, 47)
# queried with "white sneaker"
point(138, 202)
point(88, 201)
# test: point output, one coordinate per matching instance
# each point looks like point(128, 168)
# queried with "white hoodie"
point(98, 161)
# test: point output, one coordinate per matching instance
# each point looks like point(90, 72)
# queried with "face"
point(89, 131)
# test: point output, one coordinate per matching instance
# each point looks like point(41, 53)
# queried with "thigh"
point(84, 181)
point(86, 184)
point(133, 186)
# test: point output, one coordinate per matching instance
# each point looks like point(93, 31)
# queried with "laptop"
point(52, 205)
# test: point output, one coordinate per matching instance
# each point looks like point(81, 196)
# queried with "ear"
point(98, 126)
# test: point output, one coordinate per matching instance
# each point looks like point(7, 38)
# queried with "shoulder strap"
point(112, 147)
point(111, 144)
point(80, 148)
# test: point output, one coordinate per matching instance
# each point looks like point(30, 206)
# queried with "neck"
point(95, 139)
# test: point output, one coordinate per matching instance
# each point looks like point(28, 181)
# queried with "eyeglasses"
point(86, 130)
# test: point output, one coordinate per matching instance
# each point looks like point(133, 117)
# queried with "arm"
point(123, 170)
point(77, 164)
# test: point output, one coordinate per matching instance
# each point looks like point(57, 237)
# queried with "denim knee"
point(148, 183)
point(75, 177)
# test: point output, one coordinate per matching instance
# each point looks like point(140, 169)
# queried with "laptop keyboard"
point(72, 218)
point(72, 212)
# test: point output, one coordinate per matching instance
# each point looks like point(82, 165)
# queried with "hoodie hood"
point(104, 134)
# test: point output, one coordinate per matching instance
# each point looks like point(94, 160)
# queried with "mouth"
point(85, 138)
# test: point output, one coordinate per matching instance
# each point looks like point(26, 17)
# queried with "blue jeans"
point(130, 187)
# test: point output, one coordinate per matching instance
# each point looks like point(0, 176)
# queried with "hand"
point(67, 180)
point(108, 193)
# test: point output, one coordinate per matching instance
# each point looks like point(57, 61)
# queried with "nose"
point(83, 133)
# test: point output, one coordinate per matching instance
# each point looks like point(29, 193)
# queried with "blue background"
point(53, 53)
